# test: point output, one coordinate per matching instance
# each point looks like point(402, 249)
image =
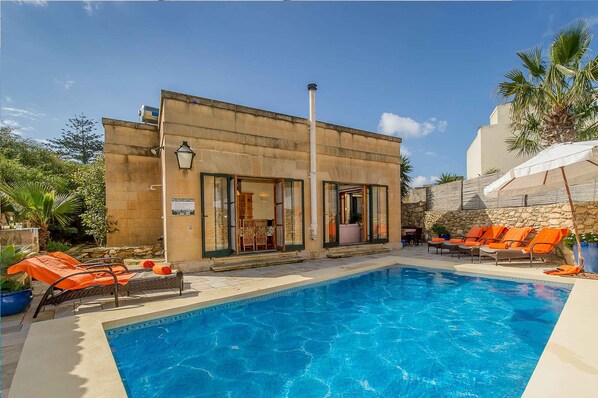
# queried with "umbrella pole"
point(580, 255)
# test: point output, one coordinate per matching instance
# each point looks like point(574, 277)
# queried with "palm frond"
point(533, 62)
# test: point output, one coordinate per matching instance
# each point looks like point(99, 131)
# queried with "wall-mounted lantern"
point(185, 155)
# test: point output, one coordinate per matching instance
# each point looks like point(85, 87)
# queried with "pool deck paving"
point(64, 352)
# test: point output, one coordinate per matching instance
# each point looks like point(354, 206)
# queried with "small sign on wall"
point(183, 206)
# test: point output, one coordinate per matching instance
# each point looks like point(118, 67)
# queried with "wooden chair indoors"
point(261, 234)
point(248, 234)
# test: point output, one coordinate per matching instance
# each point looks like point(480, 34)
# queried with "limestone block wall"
point(413, 214)
point(131, 169)
point(554, 215)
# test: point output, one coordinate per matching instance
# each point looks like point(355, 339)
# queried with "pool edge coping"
point(94, 371)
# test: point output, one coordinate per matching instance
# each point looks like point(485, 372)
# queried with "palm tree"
point(554, 97)
point(406, 169)
point(448, 177)
point(39, 204)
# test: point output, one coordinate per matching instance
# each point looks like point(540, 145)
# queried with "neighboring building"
point(248, 189)
point(488, 151)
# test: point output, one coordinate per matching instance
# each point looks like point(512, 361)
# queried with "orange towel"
point(456, 240)
point(549, 235)
point(438, 240)
point(564, 270)
point(162, 270)
point(49, 269)
point(146, 264)
point(498, 245)
point(65, 258)
point(472, 243)
point(517, 234)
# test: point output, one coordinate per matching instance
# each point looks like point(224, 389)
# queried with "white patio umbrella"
point(561, 164)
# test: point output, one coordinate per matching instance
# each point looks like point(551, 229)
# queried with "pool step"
point(358, 250)
point(255, 261)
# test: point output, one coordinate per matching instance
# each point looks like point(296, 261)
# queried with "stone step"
point(255, 261)
point(358, 250)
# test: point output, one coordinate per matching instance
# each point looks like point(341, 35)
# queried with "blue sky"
point(423, 71)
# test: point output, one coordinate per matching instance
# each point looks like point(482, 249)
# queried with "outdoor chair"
point(67, 283)
point(491, 235)
point(542, 246)
point(513, 237)
point(65, 258)
point(439, 243)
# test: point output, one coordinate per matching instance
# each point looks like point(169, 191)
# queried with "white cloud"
point(8, 100)
point(592, 21)
point(422, 180)
point(15, 126)
point(431, 153)
point(39, 3)
point(16, 112)
point(41, 141)
point(405, 151)
point(403, 126)
point(66, 83)
point(91, 6)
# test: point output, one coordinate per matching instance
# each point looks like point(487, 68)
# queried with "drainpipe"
point(312, 87)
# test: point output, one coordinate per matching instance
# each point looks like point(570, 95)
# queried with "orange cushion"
point(438, 240)
point(162, 269)
point(498, 245)
point(146, 264)
point(456, 240)
point(65, 258)
point(475, 232)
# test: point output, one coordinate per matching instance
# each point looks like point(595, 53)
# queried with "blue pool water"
point(399, 332)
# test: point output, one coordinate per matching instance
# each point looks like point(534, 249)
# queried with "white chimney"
point(312, 87)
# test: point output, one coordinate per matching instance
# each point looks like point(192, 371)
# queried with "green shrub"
point(589, 237)
point(440, 229)
point(10, 255)
point(57, 246)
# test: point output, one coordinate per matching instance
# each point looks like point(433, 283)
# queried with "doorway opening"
point(251, 214)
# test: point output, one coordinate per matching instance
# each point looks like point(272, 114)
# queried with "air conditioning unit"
point(148, 114)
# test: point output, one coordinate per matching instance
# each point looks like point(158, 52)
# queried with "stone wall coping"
point(165, 94)
point(123, 123)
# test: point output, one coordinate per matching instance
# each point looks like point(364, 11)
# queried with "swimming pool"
point(400, 331)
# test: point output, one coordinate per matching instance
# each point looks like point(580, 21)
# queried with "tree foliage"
point(23, 159)
point(406, 169)
point(448, 177)
point(78, 141)
point(554, 95)
point(39, 204)
point(92, 188)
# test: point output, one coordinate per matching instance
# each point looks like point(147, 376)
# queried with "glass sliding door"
point(379, 213)
point(293, 215)
point(331, 214)
point(216, 215)
point(279, 215)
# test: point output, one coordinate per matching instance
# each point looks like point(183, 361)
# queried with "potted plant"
point(15, 296)
point(589, 249)
point(441, 231)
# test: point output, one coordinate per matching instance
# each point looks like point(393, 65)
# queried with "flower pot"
point(590, 256)
point(15, 302)
point(444, 236)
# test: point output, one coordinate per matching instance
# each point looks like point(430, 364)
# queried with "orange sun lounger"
point(492, 234)
point(68, 282)
point(543, 245)
point(473, 234)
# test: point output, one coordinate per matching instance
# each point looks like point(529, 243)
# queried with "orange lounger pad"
point(473, 244)
point(456, 241)
point(498, 245)
point(438, 240)
point(564, 270)
point(162, 270)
